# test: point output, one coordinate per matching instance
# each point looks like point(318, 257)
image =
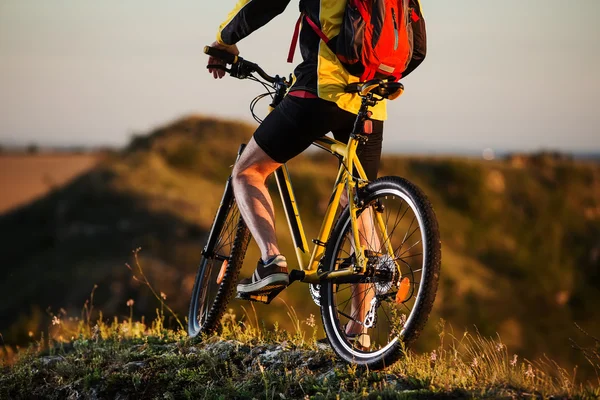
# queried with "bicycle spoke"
point(386, 314)
point(394, 239)
point(407, 250)
point(229, 232)
point(209, 288)
point(404, 262)
point(349, 317)
point(410, 256)
point(410, 226)
point(356, 294)
point(396, 224)
point(391, 234)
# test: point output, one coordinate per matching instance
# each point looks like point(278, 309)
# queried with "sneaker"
point(267, 276)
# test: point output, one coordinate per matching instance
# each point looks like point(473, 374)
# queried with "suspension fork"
point(226, 203)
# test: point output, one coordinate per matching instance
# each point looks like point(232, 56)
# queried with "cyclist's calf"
point(253, 199)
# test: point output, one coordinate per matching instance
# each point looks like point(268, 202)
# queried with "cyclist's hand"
point(219, 73)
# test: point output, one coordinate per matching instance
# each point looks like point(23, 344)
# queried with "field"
point(25, 177)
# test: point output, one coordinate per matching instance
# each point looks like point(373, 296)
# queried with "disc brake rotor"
point(385, 264)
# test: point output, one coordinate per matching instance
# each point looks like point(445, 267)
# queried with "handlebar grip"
point(220, 54)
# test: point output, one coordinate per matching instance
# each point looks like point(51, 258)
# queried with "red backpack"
point(375, 39)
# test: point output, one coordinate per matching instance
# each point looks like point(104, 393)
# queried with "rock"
point(223, 349)
point(134, 366)
point(323, 346)
point(317, 361)
point(50, 361)
point(270, 355)
point(326, 375)
point(74, 395)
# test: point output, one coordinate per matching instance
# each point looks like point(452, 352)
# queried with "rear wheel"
point(219, 268)
point(369, 323)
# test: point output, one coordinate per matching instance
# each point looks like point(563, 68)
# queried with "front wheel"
point(369, 323)
point(220, 266)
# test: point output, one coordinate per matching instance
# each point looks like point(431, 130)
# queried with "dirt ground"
point(26, 177)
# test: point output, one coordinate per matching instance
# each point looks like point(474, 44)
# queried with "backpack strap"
point(294, 43)
point(414, 16)
point(313, 26)
point(317, 30)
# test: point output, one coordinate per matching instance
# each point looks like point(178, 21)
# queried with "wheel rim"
point(209, 288)
point(411, 255)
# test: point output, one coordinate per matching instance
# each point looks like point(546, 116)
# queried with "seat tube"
point(292, 214)
point(351, 189)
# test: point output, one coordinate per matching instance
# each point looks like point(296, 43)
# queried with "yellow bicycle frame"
point(310, 264)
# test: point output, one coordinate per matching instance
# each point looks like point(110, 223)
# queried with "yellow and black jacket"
point(320, 72)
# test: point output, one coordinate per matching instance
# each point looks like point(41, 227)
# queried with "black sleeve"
point(419, 39)
point(248, 16)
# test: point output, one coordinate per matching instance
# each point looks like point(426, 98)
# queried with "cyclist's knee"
point(240, 173)
point(248, 172)
point(254, 163)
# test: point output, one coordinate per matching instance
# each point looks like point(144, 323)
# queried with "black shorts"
point(296, 122)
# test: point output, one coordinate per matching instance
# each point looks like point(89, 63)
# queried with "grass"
point(133, 359)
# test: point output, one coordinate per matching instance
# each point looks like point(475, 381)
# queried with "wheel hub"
point(385, 266)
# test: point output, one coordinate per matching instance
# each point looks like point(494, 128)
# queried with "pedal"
point(296, 275)
point(264, 298)
point(267, 297)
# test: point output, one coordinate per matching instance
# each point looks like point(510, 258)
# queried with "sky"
point(511, 75)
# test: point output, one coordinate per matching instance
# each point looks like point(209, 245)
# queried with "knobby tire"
point(430, 275)
point(228, 284)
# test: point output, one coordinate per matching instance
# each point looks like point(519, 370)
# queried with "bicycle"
point(347, 263)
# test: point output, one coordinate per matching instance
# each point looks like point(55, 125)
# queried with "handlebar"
point(240, 68)
point(221, 54)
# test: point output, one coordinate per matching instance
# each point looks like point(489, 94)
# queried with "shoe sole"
point(266, 285)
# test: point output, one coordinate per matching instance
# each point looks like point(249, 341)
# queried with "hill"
point(521, 238)
point(130, 360)
point(30, 176)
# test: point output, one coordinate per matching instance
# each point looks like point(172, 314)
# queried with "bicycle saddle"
point(384, 89)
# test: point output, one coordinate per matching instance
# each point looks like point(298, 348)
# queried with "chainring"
point(315, 293)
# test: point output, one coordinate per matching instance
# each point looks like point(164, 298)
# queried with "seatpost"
point(363, 115)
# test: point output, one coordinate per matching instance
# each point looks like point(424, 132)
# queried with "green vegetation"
point(521, 240)
point(127, 359)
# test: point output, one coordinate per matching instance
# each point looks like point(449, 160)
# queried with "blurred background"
point(113, 137)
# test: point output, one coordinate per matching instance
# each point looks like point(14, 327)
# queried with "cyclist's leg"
point(253, 199)
point(285, 133)
point(369, 155)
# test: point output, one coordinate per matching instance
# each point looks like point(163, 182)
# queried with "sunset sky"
point(511, 75)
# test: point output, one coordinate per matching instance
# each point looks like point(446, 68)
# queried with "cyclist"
point(316, 105)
